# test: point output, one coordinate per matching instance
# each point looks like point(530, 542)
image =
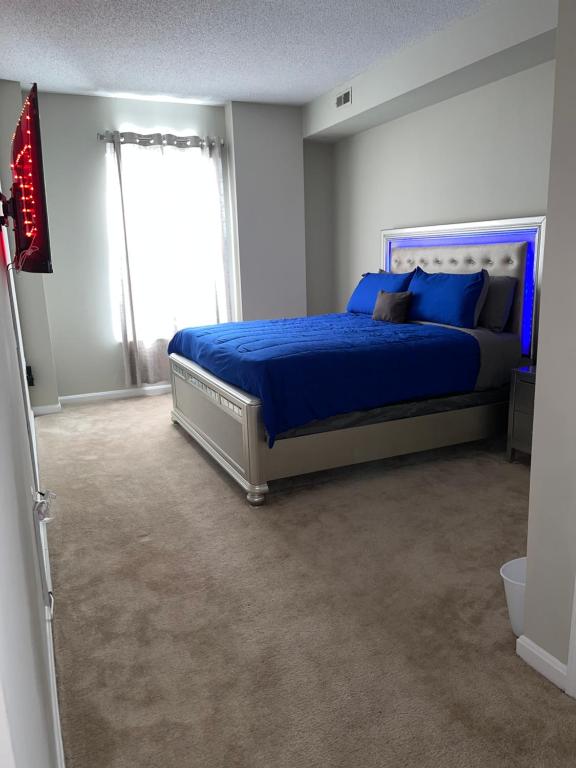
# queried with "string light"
point(23, 174)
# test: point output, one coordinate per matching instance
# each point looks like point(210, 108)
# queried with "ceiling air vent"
point(344, 98)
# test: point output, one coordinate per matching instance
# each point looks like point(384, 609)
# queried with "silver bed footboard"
point(224, 420)
point(227, 423)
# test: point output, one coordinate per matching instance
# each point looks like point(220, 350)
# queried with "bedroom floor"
point(356, 621)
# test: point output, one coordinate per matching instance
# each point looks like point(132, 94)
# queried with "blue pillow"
point(449, 299)
point(366, 292)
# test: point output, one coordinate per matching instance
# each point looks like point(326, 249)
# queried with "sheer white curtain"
point(167, 247)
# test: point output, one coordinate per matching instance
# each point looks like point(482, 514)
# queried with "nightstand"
point(521, 414)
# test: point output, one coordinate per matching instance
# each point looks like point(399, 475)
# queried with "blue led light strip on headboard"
point(529, 235)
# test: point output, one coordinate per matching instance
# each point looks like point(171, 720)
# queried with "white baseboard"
point(116, 394)
point(42, 410)
point(542, 661)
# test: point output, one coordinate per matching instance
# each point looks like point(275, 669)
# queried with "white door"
point(30, 727)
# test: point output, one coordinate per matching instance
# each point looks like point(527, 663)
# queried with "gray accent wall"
point(481, 155)
point(503, 37)
point(267, 204)
point(319, 201)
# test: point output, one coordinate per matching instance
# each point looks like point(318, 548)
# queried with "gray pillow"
point(499, 299)
point(392, 307)
point(482, 297)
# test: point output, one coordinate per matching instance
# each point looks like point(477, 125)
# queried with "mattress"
point(311, 369)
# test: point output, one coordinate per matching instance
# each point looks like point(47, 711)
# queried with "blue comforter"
point(310, 368)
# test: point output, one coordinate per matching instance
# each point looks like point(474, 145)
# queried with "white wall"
point(24, 676)
point(552, 521)
point(267, 177)
point(88, 357)
point(481, 155)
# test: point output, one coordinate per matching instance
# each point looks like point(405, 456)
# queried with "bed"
point(274, 399)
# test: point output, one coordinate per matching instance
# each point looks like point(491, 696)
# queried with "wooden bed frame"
point(227, 422)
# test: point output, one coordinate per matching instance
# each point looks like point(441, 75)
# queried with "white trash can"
point(514, 576)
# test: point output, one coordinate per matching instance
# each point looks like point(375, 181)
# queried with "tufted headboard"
point(495, 258)
point(511, 247)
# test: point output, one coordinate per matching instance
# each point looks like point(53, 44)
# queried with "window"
point(167, 244)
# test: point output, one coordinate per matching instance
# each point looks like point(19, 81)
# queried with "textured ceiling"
point(253, 50)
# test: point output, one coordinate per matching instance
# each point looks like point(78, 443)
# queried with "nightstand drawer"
point(524, 397)
point(522, 435)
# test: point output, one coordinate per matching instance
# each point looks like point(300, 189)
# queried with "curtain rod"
point(159, 139)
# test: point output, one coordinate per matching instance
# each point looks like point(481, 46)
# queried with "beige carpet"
point(357, 621)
